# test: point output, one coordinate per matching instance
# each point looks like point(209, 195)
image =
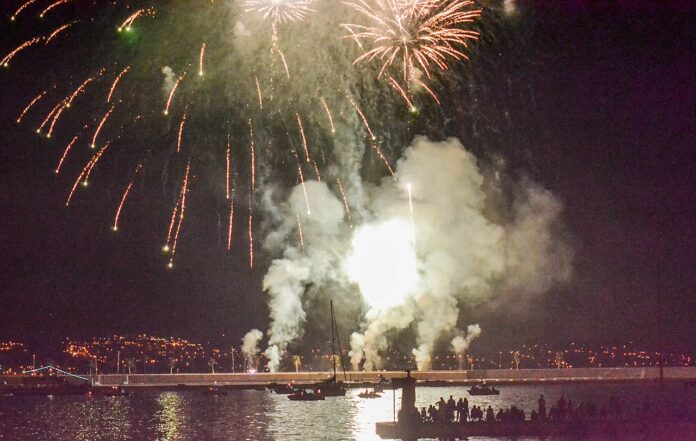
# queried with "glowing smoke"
point(462, 341)
point(465, 242)
point(510, 7)
point(250, 347)
point(169, 79)
point(288, 277)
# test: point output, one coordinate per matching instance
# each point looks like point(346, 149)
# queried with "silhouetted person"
point(489, 414)
point(423, 414)
point(542, 407)
point(451, 407)
point(460, 410)
point(431, 412)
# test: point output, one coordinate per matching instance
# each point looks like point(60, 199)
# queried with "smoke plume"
point(169, 79)
point(461, 342)
point(250, 347)
point(443, 233)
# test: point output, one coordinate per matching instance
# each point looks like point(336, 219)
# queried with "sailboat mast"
point(340, 352)
point(333, 341)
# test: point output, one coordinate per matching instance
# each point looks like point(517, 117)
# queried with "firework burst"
point(420, 34)
point(276, 98)
point(280, 11)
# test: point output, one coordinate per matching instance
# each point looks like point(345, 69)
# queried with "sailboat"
point(332, 387)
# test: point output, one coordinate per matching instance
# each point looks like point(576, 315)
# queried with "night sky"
point(599, 104)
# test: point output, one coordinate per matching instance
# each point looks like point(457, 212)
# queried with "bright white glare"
point(383, 263)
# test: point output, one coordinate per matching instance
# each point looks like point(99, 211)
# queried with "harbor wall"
point(493, 376)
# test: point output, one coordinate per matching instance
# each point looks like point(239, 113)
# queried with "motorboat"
point(369, 394)
point(304, 395)
point(215, 390)
point(482, 389)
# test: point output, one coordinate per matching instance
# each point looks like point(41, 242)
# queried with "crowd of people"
point(452, 411)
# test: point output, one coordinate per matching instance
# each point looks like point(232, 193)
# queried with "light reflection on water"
point(256, 415)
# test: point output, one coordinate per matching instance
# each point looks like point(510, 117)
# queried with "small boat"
point(478, 389)
point(332, 387)
point(214, 390)
point(369, 394)
point(113, 391)
point(304, 395)
point(282, 389)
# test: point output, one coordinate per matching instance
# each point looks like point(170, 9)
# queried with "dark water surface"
point(257, 415)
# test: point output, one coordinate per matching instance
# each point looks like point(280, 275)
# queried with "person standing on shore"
point(542, 407)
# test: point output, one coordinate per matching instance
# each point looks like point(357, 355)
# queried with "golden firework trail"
point(182, 211)
point(84, 174)
point(304, 139)
point(52, 6)
point(30, 105)
point(316, 171)
point(115, 83)
point(258, 91)
point(285, 63)
point(251, 235)
point(345, 202)
point(124, 197)
point(65, 154)
point(253, 155)
point(299, 230)
point(328, 113)
point(230, 226)
point(21, 8)
point(175, 211)
point(373, 144)
point(302, 181)
point(181, 130)
point(364, 119)
point(5, 62)
point(98, 156)
point(419, 33)
point(81, 88)
point(201, 59)
point(427, 89)
point(56, 117)
point(228, 167)
point(59, 30)
point(128, 22)
point(101, 126)
point(171, 94)
point(50, 115)
point(402, 92)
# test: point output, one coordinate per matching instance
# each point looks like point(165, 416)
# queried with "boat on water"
point(332, 387)
point(482, 389)
point(370, 394)
point(305, 395)
point(113, 391)
point(282, 389)
point(45, 386)
point(215, 390)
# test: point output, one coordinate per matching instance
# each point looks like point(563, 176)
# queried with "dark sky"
point(606, 120)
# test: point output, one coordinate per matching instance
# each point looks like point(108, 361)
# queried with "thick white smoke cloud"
point(250, 347)
point(459, 244)
point(288, 276)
